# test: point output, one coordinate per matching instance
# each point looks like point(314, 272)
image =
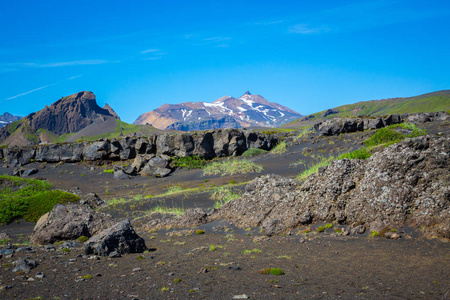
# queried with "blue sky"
point(137, 55)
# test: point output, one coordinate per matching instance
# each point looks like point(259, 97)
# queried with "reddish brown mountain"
point(245, 111)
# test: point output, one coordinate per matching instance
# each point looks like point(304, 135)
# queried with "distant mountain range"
point(8, 118)
point(430, 102)
point(78, 117)
point(227, 112)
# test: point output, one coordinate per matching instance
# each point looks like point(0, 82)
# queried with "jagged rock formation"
point(67, 115)
point(406, 183)
point(226, 112)
point(206, 144)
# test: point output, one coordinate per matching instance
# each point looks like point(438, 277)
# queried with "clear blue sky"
point(137, 55)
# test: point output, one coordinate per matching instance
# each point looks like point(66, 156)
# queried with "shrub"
point(231, 167)
point(328, 225)
point(199, 231)
point(320, 229)
point(108, 171)
point(212, 248)
point(254, 152)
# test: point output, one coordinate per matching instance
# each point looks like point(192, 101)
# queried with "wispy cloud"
point(29, 92)
point(59, 64)
point(307, 29)
point(217, 39)
point(42, 87)
point(269, 22)
point(149, 51)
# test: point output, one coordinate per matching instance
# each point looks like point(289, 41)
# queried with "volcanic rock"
point(398, 185)
point(120, 238)
point(69, 222)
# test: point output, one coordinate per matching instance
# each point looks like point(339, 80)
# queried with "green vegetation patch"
point(28, 198)
point(394, 134)
point(189, 162)
point(357, 154)
point(232, 167)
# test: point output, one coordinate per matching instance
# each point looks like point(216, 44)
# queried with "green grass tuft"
point(280, 148)
point(232, 167)
point(357, 154)
point(223, 195)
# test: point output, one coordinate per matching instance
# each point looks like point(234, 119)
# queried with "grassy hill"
point(431, 102)
point(21, 133)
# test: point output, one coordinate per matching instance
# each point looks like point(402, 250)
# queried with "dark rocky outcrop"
point(120, 238)
point(68, 114)
point(345, 125)
point(330, 111)
point(205, 144)
point(69, 222)
point(407, 183)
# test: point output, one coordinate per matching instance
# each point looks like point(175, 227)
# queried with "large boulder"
point(404, 184)
point(68, 222)
point(97, 150)
point(120, 237)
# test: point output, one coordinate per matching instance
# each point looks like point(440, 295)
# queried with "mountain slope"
point(226, 112)
point(8, 118)
point(430, 102)
point(62, 120)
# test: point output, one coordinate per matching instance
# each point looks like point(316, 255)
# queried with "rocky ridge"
point(405, 184)
point(206, 144)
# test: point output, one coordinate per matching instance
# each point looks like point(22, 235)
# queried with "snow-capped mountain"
point(7, 118)
point(226, 112)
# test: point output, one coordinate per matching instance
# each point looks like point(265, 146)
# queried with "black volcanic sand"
point(320, 266)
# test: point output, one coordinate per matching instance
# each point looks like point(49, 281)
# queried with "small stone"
point(93, 257)
point(114, 254)
point(30, 279)
point(39, 275)
point(243, 296)
point(6, 251)
point(137, 269)
point(392, 235)
point(171, 274)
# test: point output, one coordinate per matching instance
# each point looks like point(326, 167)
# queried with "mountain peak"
point(246, 111)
